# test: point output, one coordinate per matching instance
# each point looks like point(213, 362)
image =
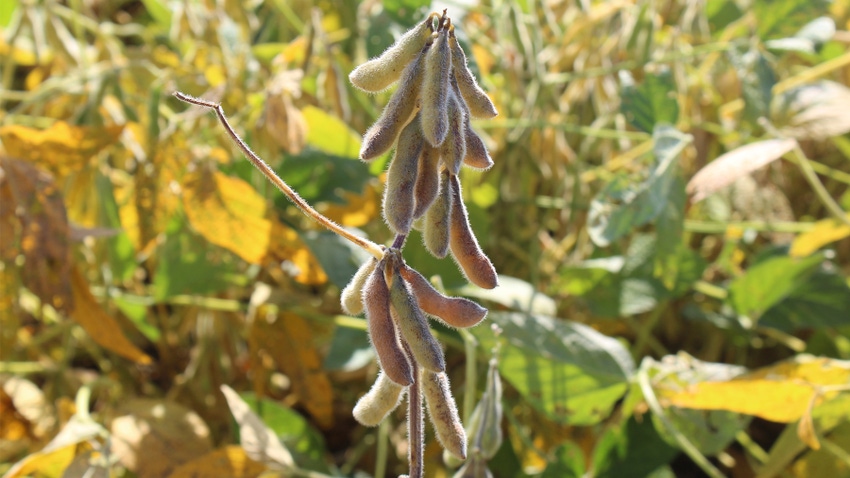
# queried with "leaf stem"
point(269, 173)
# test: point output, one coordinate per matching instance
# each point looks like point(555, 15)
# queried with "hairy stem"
point(415, 423)
point(267, 171)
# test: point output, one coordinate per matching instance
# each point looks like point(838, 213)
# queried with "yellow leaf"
point(359, 209)
point(824, 232)
point(230, 461)
point(60, 149)
point(100, 326)
point(45, 464)
point(779, 393)
point(288, 340)
point(329, 134)
point(229, 213)
point(286, 245)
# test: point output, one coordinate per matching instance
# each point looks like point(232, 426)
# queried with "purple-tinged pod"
point(438, 220)
point(457, 312)
point(443, 412)
point(453, 149)
point(382, 332)
point(479, 103)
point(435, 90)
point(476, 266)
point(427, 180)
point(399, 195)
point(476, 156)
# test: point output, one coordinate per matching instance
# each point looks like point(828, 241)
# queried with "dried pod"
point(379, 401)
point(443, 412)
point(383, 70)
point(476, 156)
point(382, 331)
point(479, 103)
point(454, 311)
point(485, 424)
point(476, 266)
point(351, 297)
point(402, 105)
point(435, 90)
point(413, 325)
point(438, 220)
point(427, 180)
point(399, 201)
point(453, 149)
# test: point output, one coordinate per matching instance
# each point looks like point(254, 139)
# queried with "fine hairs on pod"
point(382, 331)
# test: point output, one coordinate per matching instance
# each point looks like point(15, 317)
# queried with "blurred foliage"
point(165, 312)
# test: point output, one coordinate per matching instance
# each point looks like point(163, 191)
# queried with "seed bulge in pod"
point(383, 70)
point(454, 311)
point(402, 105)
point(399, 201)
point(382, 398)
point(435, 90)
point(476, 266)
point(351, 297)
point(413, 325)
point(438, 220)
point(443, 412)
point(479, 103)
point(453, 149)
point(427, 180)
point(382, 331)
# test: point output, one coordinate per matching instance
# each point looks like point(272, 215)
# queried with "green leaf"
point(651, 103)
point(633, 450)
point(350, 349)
point(188, 264)
point(770, 281)
point(721, 13)
point(339, 258)
point(7, 8)
point(781, 18)
point(822, 300)
point(321, 178)
point(122, 254)
point(329, 134)
point(159, 11)
point(569, 462)
point(566, 370)
point(757, 81)
point(407, 12)
point(515, 294)
point(622, 205)
point(298, 436)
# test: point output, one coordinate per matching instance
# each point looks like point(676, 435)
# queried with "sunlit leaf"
point(290, 342)
point(826, 463)
point(359, 210)
point(730, 166)
point(100, 326)
point(350, 350)
point(330, 135)
point(153, 437)
point(230, 460)
point(757, 79)
point(776, 18)
point(288, 247)
point(321, 177)
point(813, 111)
point(259, 442)
point(822, 300)
point(229, 213)
point(159, 10)
point(60, 149)
point(825, 231)
point(566, 370)
point(779, 393)
point(515, 294)
point(768, 282)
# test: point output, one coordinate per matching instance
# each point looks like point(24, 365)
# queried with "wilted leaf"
point(258, 441)
point(230, 460)
point(779, 393)
point(289, 341)
point(566, 370)
point(287, 246)
point(825, 231)
point(730, 166)
point(34, 223)
point(60, 149)
point(153, 437)
point(651, 103)
point(622, 206)
point(229, 213)
point(100, 326)
point(813, 111)
point(358, 210)
point(284, 122)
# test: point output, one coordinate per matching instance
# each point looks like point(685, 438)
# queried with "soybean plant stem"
point(399, 241)
point(415, 422)
point(269, 173)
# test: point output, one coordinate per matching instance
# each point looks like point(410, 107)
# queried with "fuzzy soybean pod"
point(399, 200)
point(476, 156)
point(454, 311)
point(438, 220)
point(479, 103)
point(427, 180)
point(413, 325)
point(351, 297)
point(453, 149)
point(379, 401)
point(435, 90)
point(443, 412)
point(402, 105)
point(382, 331)
point(476, 266)
point(385, 69)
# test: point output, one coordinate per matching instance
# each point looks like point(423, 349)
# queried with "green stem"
point(382, 452)
point(470, 343)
